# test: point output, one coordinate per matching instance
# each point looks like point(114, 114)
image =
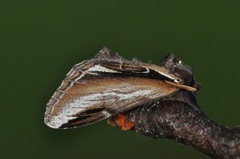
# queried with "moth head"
point(180, 70)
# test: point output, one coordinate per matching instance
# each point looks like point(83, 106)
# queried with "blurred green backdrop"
point(41, 40)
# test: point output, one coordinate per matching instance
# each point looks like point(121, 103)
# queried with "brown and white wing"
point(104, 86)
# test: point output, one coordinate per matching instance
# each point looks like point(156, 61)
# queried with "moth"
point(108, 84)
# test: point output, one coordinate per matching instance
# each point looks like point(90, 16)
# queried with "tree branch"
point(187, 125)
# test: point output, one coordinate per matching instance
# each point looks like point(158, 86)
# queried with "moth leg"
point(120, 120)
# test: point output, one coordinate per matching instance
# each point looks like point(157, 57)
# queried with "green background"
point(41, 40)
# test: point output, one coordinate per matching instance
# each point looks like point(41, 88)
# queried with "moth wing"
point(101, 87)
point(95, 99)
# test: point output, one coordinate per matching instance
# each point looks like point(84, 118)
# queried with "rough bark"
point(184, 124)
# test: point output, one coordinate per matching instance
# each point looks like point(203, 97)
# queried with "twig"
point(184, 124)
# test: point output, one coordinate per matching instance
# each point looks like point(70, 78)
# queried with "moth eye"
point(180, 62)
